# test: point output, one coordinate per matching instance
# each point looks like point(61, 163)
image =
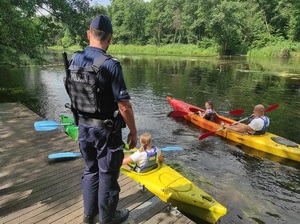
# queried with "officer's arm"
point(126, 110)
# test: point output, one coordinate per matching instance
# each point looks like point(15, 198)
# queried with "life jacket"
point(210, 116)
point(83, 86)
point(151, 162)
point(264, 128)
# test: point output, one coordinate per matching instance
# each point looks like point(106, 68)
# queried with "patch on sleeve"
point(123, 92)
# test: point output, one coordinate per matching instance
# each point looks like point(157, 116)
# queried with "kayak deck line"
point(268, 142)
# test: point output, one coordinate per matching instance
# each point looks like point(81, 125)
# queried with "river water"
point(255, 188)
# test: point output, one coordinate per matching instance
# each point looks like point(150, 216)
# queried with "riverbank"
point(171, 49)
point(279, 50)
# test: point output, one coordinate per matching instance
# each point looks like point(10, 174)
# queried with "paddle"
point(213, 132)
point(48, 125)
point(273, 107)
point(270, 108)
point(182, 113)
point(65, 155)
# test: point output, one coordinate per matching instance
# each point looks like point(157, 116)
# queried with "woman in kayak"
point(146, 157)
point(209, 111)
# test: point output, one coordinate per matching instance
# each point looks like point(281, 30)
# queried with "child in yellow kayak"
point(146, 157)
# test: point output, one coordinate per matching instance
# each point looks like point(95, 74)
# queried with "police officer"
point(98, 95)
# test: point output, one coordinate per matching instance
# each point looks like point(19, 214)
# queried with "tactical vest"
point(264, 128)
point(151, 162)
point(84, 88)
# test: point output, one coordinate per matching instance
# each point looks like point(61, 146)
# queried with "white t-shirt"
point(140, 158)
point(258, 123)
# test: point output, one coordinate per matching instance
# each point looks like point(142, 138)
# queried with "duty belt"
point(108, 124)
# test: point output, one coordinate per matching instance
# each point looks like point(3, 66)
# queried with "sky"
point(100, 2)
point(105, 2)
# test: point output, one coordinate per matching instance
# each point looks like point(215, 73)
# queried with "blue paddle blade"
point(61, 155)
point(47, 125)
point(171, 148)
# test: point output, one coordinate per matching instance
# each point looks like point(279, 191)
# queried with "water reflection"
point(254, 187)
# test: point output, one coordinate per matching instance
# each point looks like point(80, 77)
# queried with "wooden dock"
point(35, 190)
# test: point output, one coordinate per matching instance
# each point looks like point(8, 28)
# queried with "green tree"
point(128, 18)
point(67, 40)
point(234, 25)
point(193, 26)
point(20, 34)
point(23, 34)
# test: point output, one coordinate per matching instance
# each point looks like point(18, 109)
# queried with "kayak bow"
point(173, 188)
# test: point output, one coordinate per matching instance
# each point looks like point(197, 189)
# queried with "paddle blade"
point(206, 135)
point(64, 155)
point(236, 112)
point(273, 107)
point(45, 125)
point(179, 113)
point(171, 148)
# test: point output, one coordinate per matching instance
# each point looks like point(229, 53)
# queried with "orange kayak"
point(268, 142)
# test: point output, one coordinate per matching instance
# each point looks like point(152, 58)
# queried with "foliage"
point(226, 26)
point(128, 18)
point(26, 26)
point(67, 40)
point(277, 48)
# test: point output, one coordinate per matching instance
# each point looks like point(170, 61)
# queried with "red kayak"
point(267, 142)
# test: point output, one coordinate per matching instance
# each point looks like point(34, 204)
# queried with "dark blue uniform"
point(101, 150)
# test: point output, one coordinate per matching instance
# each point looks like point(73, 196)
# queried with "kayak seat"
point(145, 170)
point(149, 168)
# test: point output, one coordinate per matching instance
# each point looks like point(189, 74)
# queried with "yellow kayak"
point(268, 142)
point(173, 188)
point(169, 185)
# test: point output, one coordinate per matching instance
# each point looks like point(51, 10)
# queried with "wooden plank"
point(38, 191)
point(184, 220)
point(146, 210)
point(164, 217)
point(45, 199)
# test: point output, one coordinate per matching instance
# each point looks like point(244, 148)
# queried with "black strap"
point(99, 62)
point(91, 121)
point(96, 66)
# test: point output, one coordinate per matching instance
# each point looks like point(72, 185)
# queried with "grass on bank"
point(278, 50)
point(283, 49)
point(171, 49)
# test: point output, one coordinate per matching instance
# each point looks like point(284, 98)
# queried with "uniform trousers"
point(103, 155)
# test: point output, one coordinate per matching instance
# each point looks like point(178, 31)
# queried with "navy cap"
point(103, 23)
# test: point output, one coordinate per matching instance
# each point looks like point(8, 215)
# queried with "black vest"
point(84, 87)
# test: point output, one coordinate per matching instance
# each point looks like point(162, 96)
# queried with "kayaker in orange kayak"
point(257, 126)
point(209, 113)
point(146, 157)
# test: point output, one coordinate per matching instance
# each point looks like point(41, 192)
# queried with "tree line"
point(28, 27)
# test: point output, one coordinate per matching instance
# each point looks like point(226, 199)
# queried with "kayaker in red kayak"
point(257, 126)
point(209, 113)
point(146, 157)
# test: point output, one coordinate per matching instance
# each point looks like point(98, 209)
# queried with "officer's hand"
point(132, 140)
